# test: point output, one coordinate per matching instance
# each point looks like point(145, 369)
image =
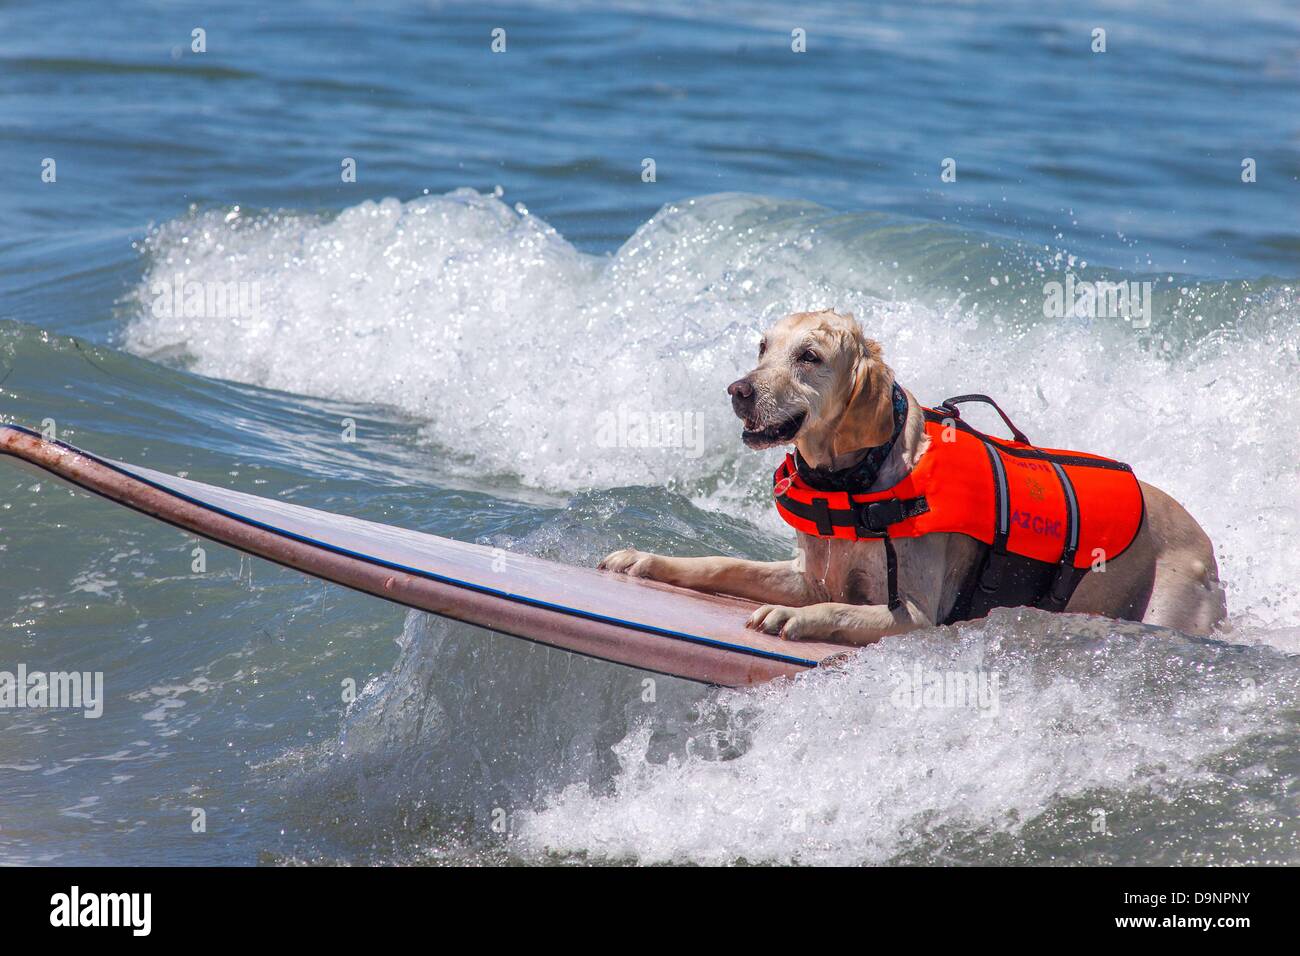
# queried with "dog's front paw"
point(629, 561)
point(790, 623)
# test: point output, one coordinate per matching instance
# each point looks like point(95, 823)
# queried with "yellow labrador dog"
point(822, 386)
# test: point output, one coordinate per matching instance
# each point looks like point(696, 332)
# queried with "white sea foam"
point(1097, 732)
point(833, 771)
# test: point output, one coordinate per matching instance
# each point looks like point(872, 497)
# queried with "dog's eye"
point(809, 356)
point(762, 347)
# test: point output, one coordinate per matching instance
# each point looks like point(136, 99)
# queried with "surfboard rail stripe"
point(594, 633)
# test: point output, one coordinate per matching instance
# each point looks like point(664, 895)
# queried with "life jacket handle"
point(949, 405)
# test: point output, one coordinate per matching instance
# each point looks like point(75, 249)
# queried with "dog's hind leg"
point(1187, 594)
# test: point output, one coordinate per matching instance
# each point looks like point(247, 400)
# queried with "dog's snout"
point(742, 394)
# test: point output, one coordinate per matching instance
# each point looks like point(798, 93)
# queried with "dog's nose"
point(741, 389)
point(742, 394)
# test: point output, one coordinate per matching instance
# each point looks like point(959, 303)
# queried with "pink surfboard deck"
point(643, 624)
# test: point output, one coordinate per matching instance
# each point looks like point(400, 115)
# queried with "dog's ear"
point(868, 416)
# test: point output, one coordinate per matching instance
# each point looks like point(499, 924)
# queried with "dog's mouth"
point(777, 434)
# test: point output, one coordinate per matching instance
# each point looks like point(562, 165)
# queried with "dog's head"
point(819, 383)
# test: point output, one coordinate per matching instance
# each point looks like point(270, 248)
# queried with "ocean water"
point(497, 280)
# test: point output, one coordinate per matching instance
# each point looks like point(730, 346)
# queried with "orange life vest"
point(1046, 515)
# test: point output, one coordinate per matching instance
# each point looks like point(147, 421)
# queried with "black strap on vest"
point(820, 514)
point(891, 573)
point(867, 519)
point(992, 575)
point(1063, 582)
point(949, 418)
point(950, 405)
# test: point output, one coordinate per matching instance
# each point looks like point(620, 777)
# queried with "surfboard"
point(643, 624)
